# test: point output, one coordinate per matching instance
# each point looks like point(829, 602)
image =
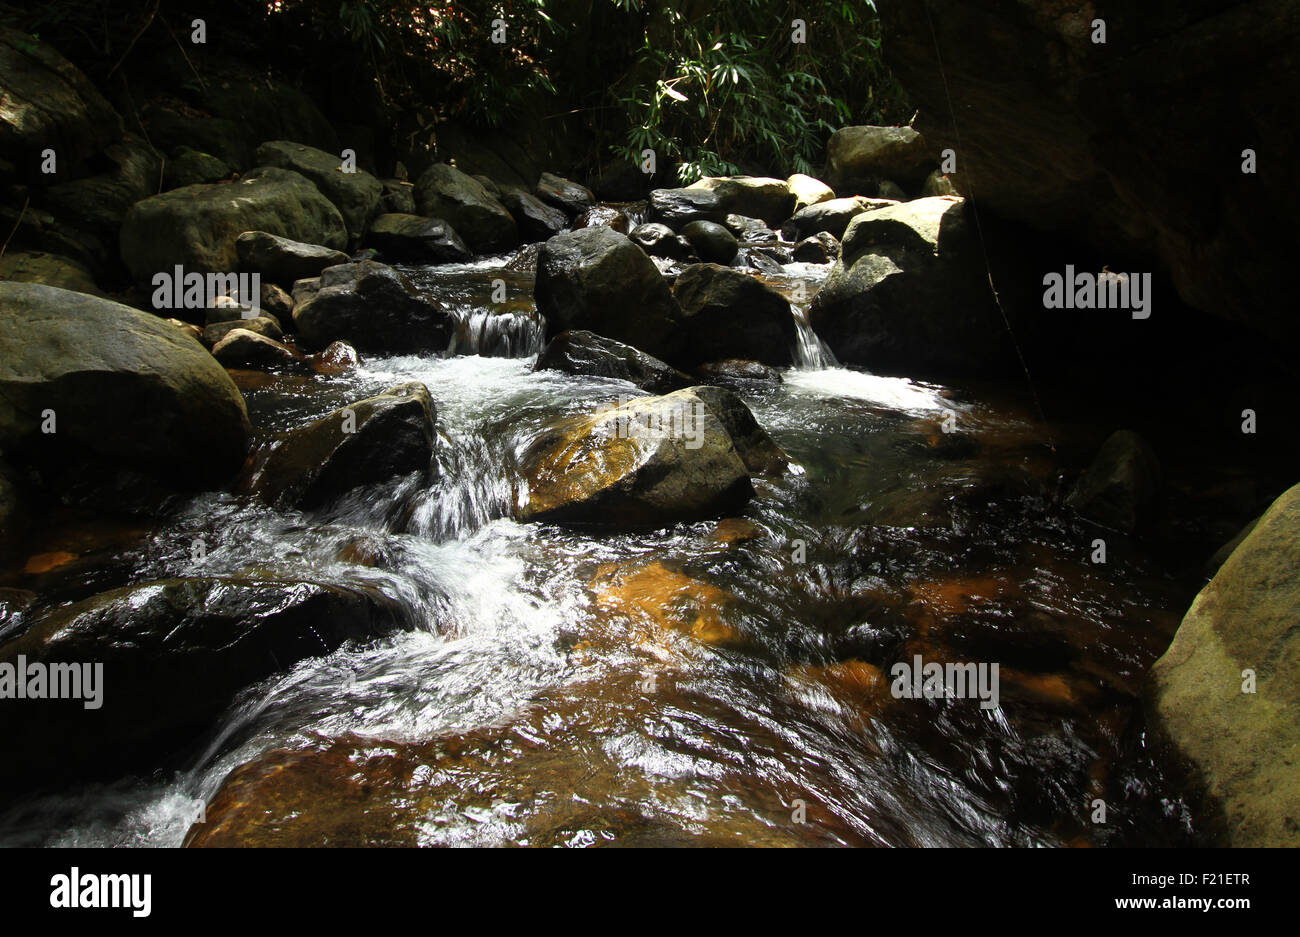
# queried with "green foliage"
point(727, 85)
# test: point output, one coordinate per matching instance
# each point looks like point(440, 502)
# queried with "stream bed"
point(725, 682)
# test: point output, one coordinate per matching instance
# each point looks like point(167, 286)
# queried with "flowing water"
point(721, 682)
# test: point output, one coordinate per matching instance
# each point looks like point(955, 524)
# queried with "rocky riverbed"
point(448, 510)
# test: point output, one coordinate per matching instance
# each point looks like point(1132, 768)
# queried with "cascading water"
point(570, 687)
point(811, 353)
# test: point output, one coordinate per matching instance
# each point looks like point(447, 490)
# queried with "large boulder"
point(596, 279)
point(752, 196)
point(364, 443)
point(646, 462)
point(1073, 137)
point(123, 386)
point(807, 191)
point(676, 207)
point(445, 192)
point(572, 198)
point(858, 159)
point(372, 307)
point(48, 103)
point(1121, 488)
point(282, 260)
point(711, 241)
point(1242, 741)
point(832, 216)
point(821, 248)
point(537, 220)
point(909, 295)
point(173, 654)
point(197, 226)
point(586, 353)
point(355, 194)
point(412, 239)
point(659, 240)
point(729, 314)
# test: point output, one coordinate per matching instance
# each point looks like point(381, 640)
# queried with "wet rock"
point(197, 226)
point(581, 352)
point(525, 261)
point(760, 259)
point(756, 197)
point(188, 166)
point(445, 192)
point(174, 653)
point(729, 314)
point(659, 240)
point(412, 239)
point(537, 221)
point(807, 191)
point(638, 594)
point(364, 443)
point(821, 248)
point(282, 260)
point(910, 295)
point(676, 207)
point(759, 452)
point(49, 103)
point(570, 197)
point(370, 306)
point(355, 194)
point(712, 242)
point(649, 462)
point(244, 348)
point(831, 216)
point(336, 358)
point(748, 229)
point(265, 326)
point(1242, 745)
point(603, 216)
point(1121, 489)
point(122, 385)
point(596, 279)
point(49, 269)
point(737, 373)
point(858, 158)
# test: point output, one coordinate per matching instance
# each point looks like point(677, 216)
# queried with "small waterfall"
point(811, 352)
point(496, 334)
